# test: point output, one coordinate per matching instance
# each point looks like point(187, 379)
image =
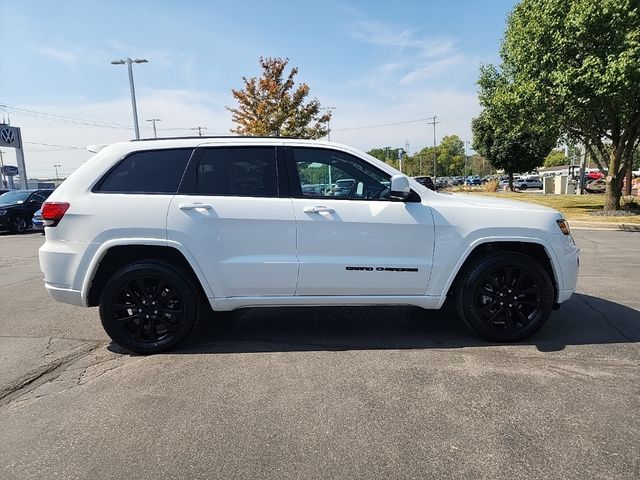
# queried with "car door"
point(234, 214)
point(356, 241)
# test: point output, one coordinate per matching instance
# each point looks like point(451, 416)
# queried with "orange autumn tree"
point(273, 105)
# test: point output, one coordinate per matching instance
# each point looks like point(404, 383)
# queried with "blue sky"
point(377, 62)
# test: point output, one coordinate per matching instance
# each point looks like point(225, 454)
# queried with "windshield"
point(14, 197)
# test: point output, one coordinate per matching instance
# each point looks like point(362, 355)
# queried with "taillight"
point(52, 212)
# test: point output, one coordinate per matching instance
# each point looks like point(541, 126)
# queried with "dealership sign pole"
point(11, 137)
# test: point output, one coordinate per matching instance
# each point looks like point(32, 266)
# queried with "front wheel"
point(523, 186)
point(18, 224)
point(504, 296)
point(148, 307)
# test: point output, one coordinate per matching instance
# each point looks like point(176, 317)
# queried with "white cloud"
point(414, 57)
point(64, 56)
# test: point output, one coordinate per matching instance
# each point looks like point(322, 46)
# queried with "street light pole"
point(154, 120)
point(128, 62)
point(56, 165)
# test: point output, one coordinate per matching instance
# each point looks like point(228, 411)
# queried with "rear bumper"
point(65, 295)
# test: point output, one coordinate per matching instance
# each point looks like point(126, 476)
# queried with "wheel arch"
point(112, 256)
point(537, 249)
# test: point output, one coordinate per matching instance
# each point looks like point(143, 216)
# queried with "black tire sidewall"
point(168, 272)
point(14, 224)
point(467, 290)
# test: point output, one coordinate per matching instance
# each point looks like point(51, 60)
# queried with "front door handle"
point(318, 209)
point(193, 206)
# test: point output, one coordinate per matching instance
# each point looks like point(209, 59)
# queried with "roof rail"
point(192, 137)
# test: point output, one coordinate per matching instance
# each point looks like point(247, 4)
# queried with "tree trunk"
point(613, 190)
point(511, 182)
point(612, 195)
point(629, 180)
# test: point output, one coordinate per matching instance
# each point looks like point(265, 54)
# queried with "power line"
point(74, 147)
point(63, 118)
point(381, 125)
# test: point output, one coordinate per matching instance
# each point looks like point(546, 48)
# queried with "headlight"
point(564, 226)
point(3, 212)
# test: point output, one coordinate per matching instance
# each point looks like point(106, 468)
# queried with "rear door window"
point(237, 171)
point(149, 171)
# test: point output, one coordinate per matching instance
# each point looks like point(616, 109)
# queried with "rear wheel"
point(18, 224)
point(504, 296)
point(148, 307)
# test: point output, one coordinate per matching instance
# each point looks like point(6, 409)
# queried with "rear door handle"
point(318, 209)
point(193, 206)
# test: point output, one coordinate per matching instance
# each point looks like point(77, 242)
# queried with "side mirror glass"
point(400, 189)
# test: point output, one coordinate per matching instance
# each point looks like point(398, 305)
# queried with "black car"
point(18, 206)
point(426, 182)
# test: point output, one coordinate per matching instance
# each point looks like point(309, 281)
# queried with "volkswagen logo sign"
point(7, 135)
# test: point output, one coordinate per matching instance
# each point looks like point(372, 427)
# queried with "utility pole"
point(328, 109)
point(153, 121)
point(435, 155)
point(466, 158)
point(128, 63)
point(4, 182)
point(199, 128)
point(56, 166)
point(406, 148)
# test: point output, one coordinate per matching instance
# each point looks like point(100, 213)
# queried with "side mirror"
point(400, 189)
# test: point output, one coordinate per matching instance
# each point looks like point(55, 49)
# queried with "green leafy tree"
point(556, 159)
point(511, 131)
point(390, 155)
point(582, 59)
point(451, 157)
point(273, 105)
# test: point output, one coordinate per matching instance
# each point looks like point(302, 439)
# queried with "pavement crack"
point(47, 374)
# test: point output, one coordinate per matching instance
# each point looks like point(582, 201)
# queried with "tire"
point(523, 186)
point(492, 278)
point(18, 224)
point(149, 306)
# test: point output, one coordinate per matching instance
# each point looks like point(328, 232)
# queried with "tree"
point(581, 58)
point(480, 166)
point(556, 159)
point(511, 131)
point(273, 105)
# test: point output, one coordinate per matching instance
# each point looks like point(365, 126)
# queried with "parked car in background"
point(18, 206)
point(473, 180)
point(344, 187)
point(426, 182)
point(37, 222)
point(596, 186)
point(528, 182)
point(442, 182)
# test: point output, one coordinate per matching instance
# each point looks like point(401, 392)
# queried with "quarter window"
point(331, 174)
point(238, 171)
point(151, 171)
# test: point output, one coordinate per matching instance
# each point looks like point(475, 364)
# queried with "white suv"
point(154, 231)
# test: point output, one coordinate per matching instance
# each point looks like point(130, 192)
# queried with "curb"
point(626, 227)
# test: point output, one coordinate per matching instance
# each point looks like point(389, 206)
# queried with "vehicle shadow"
point(584, 320)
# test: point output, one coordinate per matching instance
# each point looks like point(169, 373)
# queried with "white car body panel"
point(267, 251)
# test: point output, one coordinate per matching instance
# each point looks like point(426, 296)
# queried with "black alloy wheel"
point(148, 307)
point(18, 224)
point(506, 296)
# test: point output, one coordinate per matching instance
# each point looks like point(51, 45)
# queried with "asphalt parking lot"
point(326, 392)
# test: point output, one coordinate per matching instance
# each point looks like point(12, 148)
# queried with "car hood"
point(492, 202)
point(9, 205)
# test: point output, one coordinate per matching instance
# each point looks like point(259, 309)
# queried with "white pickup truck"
point(153, 231)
